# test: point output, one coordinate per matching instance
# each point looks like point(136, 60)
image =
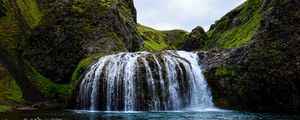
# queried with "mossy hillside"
point(237, 27)
point(161, 40)
point(30, 12)
point(153, 39)
point(232, 82)
point(105, 4)
point(50, 89)
point(5, 108)
point(176, 38)
point(10, 28)
point(118, 42)
point(85, 5)
point(227, 71)
point(79, 28)
point(266, 77)
point(9, 91)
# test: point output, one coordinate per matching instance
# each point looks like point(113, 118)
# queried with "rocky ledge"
point(262, 75)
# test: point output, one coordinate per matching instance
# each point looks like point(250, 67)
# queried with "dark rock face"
point(71, 30)
point(262, 75)
point(30, 91)
point(14, 30)
point(195, 40)
point(2, 9)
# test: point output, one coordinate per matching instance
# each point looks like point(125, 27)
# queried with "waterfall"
point(145, 81)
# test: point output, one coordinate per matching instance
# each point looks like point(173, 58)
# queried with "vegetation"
point(83, 30)
point(161, 40)
point(9, 91)
point(237, 27)
point(5, 108)
point(9, 30)
point(227, 71)
point(84, 64)
point(50, 89)
point(29, 11)
point(153, 39)
point(10, 27)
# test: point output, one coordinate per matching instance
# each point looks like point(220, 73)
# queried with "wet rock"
point(70, 31)
point(195, 40)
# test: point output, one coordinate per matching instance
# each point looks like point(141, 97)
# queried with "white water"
point(145, 81)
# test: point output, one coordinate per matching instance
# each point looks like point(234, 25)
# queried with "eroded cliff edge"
point(42, 43)
point(263, 74)
point(251, 60)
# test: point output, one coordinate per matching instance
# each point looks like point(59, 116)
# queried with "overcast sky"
point(182, 14)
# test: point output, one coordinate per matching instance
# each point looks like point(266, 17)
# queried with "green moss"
point(9, 91)
point(30, 11)
point(117, 41)
point(161, 40)
point(84, 64)
point(286, 1)
point(126, 14)
point(152, 45)
point(9, 24)
point(5, 108)
point(47, 87)
point(237, 27)
point(229, 71)
point(176, 38)
point(105, 4)
point(9, 30)
point(153, 39)
point(76, 9)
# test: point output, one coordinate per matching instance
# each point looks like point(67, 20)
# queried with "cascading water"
point(145, 81)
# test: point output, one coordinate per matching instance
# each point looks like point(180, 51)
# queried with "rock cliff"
point(75, 29)
point(43, 41)
point(263, 74)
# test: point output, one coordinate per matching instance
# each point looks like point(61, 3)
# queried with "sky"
point(182, 14)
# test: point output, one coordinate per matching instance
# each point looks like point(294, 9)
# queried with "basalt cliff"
point(250, 57)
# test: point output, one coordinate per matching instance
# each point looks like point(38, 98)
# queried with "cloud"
point(182, 14)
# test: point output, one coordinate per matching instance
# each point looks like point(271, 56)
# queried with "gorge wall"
point(45, 40)
point(250, 56)
point(262, 74)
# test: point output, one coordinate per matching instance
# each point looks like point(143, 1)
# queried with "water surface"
point(169, 115)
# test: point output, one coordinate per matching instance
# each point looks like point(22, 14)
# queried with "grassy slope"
point(5, 108)
point(237, 27)
point(161, 40)
point(9, 26)
point(9, 30)
point(30, 11)
point(9, 91)
point(153, 39)
point(9, 33)
point(50, 89)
